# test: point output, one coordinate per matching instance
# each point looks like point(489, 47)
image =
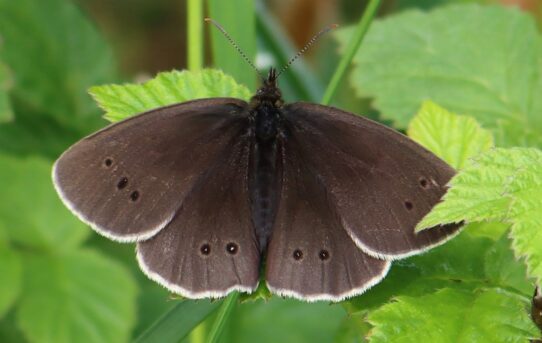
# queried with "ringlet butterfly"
point(215, 190)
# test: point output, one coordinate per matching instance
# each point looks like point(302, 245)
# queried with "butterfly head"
point(269, 92)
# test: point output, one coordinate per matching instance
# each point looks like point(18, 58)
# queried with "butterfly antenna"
point(232, 42)
point(307, 46)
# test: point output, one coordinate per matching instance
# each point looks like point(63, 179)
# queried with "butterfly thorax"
point(264, 174)
point(265, 108)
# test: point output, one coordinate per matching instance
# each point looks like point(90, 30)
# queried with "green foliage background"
point(463, 79)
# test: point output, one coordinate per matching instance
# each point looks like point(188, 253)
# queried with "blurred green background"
point(60, 282)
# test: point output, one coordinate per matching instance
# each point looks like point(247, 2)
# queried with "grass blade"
point(178, 322)
point(351, 49)
point(298, 82)
point(222, 317)
point(238, 19)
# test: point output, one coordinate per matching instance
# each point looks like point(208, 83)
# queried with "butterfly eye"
point(205, 249)
point(409, 206)
point(323, 255)
point(232, 248)
point(298, 254)
point(122, 183)
point(108, 162)
point(134, 196)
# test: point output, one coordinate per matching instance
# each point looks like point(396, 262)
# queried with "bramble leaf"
point(477, 193)
point(452, 137)
point(525, 192)
point(6, 113)
point(31, 211)
point(484, 61)
point(65, 299)
point(55, 54)
point(467, 262)
point(502, 184)
point(454, 316)
point(10, 270)
point(122, 101)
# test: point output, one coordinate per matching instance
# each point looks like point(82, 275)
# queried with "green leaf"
point(30, 134)
point(238, 19)
point(10, 269)
point(504, 270)
point(455, 316)
point(76, 297)
point(452, 137)
point(55, 54)
point(31, 211)
point(457, 264)
point(467, 262)
point(477, 192)
point(122, 101)
point(525, 190)
point(484, 61)
point(177, 323)
point(502, 184)
point(285, 321)
point(6, 113)
point(354, 328)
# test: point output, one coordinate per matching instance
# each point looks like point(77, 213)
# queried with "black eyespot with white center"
point(122, 183)
point(134, 196)
point(323, 255)
point(297, 255)
point(205, 249)
point(424, 183)
point(108, 162)
point(232, 248)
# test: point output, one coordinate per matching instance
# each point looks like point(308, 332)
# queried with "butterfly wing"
point(381, 182)
point(310, 256)
point(210, 247)
point(128, 180)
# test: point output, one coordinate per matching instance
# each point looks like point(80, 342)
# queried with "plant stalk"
point(351, 50)
point(195, 34)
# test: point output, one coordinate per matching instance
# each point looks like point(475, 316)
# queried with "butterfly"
point(219, 191)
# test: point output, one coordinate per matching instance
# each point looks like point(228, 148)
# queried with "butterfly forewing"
point(310, 256)
point(128, 180)
point(210, 246)
point(381, 182)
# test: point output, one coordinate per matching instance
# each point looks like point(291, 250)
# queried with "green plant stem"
point(222, 317)
point(351, 50)
point(195, 34)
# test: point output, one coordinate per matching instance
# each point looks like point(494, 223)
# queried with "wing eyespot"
point(205, 249)
point(232, 248)
point(108, 162)
point(134, 196)
point(123, 182)
point(324, 255)
point(408, 205)
point(297, 254)
point(424, 183)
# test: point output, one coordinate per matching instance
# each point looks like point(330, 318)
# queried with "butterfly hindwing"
point(381, 182)
point(128, 180)
point(210, 246)
point(310, 256)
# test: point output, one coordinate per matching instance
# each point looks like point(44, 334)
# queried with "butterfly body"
point(211, 188)
point(266, 131)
